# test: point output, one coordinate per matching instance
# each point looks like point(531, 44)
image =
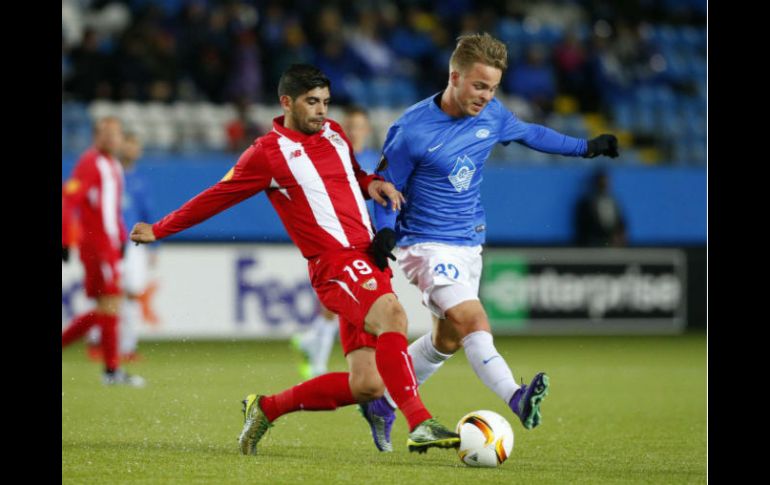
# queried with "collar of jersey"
point(291, 134)
point(435, 105)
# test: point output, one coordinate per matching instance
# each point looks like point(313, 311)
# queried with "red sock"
point(323, 393)
point(109, 326)
point(397, 371)
point(78, 327)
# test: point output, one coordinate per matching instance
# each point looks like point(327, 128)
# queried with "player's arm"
point(248, 177)
point(396, 166)
point(547, 140)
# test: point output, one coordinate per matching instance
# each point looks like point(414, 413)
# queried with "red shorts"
point(102, 274)
point(348, 283)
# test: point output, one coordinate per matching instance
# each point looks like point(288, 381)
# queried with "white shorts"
point(135, 269)
point(447, 275)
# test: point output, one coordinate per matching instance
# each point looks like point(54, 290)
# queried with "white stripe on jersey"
point(309, 180)
point(110, 203)
point(345, 287)
point(343, 151)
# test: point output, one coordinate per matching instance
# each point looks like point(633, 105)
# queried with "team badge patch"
point(335, 138)
point(462, 173)
point(72, 186)
point(370, 284)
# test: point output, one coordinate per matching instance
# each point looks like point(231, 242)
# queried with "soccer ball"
point(486, 439)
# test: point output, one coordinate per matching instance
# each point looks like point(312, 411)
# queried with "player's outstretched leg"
point(255, 424)
point(386, 319)
point(322, 393)
point(395, 367)
point(380, 417)
point(525, 402)
point(432, 434)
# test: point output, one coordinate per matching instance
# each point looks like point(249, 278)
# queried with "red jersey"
point(313, 181)
point(95, 191)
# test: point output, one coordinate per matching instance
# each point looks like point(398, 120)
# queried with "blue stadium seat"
point(644, 118)
point(623, 116)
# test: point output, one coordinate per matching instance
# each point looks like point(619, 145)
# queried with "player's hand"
point(382, 247)
point(142, 233)
point(602, 145)
point(65, 254)
point(382, 191)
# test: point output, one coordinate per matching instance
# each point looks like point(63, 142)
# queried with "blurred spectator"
point(359, 131)
point(388, 53)
point(241, 131)
point(246, 79)
point(341, 65)
point(367, 42)
point(571, 61)
point(294, 50)
point(90, 70)
point(599, 220)
point(534, 79)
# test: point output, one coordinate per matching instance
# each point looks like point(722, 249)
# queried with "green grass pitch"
point(620, 410)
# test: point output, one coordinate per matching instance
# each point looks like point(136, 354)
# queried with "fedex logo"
point(276, 300)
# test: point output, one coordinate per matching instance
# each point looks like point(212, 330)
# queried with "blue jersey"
point(437, 162)
point(136, 203)
point(368, 160)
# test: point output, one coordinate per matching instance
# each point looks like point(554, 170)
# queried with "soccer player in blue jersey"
point(434, 154)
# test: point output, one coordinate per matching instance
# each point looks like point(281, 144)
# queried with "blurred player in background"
point(359, 129)
point(315, 344)
point(93, 194)
point(307, 167)
point(137, 260)
point(435, 154)
point(599, 220)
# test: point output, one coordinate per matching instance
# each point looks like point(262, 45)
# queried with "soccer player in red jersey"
point(307, 167)
point(93, 193)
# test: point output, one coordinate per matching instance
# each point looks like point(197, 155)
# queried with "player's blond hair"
point(482, 48)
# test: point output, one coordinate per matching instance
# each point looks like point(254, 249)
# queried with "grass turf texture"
point(620, 410)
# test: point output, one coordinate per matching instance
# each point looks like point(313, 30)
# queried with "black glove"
point(65, 253)
point(382, 247)
point(602, 145)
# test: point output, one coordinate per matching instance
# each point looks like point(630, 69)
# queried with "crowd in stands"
point(582, 65)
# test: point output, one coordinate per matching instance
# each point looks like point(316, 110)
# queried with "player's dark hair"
point(301, 78)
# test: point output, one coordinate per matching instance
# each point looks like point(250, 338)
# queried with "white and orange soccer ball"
point(486, 439)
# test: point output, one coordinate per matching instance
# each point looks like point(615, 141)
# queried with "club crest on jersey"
point(462, 173)
point(482, 133)
point(335, 138)
point(370, 284)
point(295, 154)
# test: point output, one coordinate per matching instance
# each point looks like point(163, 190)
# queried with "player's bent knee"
point(365, 388)
point(386, 315)
point(447, 344)
point(468, 317)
